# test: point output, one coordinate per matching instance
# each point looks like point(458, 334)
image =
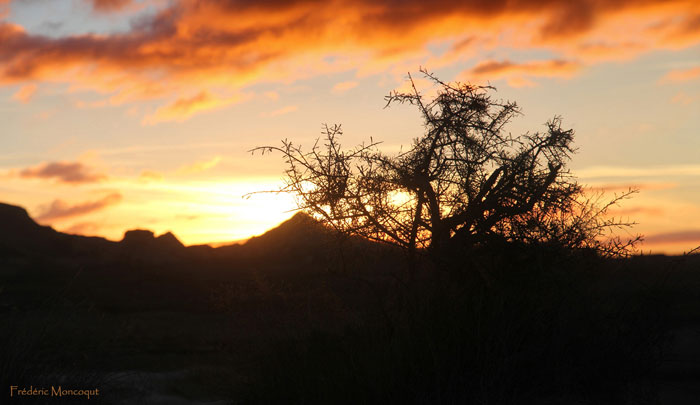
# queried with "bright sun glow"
point(224, 211)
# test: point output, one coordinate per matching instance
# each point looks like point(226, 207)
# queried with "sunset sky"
point(123, 114)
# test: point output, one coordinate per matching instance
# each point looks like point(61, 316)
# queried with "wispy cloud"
point(184, 108)
point(60, 209)
point(342, 87)
point(517, 73)
point(64, 172)
point(639, 171)
point(681, 75)
point(281, 111)
point(686, 236)
point(25, 93)
point(682, 98)
point(621, 187)
point(635, 211)
point(198, 167)
point(149, 175)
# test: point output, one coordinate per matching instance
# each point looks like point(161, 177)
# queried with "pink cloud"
point(4, 8)
point(59, 209)
point(687, 236)
point(622, 187)
point(64, 172)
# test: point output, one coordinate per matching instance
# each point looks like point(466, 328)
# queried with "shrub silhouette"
point(465, 183)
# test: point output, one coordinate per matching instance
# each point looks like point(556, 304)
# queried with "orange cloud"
point(198, 167)
point(44, 115)
point(110, 5)
point(622, 187)
point(607, 50)
point(683, 30)
point(59, 209)
point(64, 172)
point(148, 176)
point(342, 87)
point(191, 44)
point(681, 98)
point(281, 111)
point(520, 82)
point(516, 71)
point(25, 93)
point(681, 75)
point(184, 108)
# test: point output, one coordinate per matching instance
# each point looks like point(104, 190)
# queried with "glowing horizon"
point(141, 113)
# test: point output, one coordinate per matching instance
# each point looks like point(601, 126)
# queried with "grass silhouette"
point(550, 331)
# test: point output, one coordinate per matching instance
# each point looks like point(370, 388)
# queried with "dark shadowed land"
point(301, 315)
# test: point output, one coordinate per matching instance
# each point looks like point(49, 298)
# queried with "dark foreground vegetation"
point(302, 315)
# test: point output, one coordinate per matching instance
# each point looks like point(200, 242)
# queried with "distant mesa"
point(145, 239)
point(137, 237)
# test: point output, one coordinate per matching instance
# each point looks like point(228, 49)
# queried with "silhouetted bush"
point(467, 182)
